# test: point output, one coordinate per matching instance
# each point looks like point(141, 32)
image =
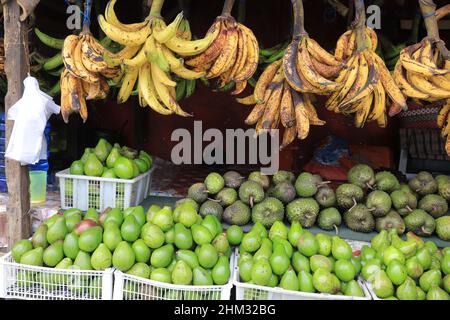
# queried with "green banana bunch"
point(184, 89)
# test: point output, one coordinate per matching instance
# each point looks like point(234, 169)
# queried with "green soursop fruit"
point(386, 181)
point(214, 183)
point(423, 183)
point(227, 196)
point(238, 213)
point(404, 202)
point(359, 219)
point(251, 192)
point(443, 228)
point(233, 179)
point(347, 195)
point(435, 205)
point(443, 183)
point(210, 207)
point(268, 211)
point(391, 221)
point(361, 175)
point(304, 210)
point(198, 192)
point(329, 219)
point(306, 185)
point(325, 197)
point(284, 191)
point(379, 203)
point(260, 178)
point(281, 176)
point(420, 222)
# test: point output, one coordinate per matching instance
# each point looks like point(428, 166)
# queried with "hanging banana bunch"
point(346, 45)
point(232, 56)
point(366, 84)
point(443, 122)
point(285, 91)
point(151, 55)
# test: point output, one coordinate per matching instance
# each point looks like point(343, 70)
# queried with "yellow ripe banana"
point(443, 114)
point(264, 80)
point(241, 54)
point(91, 89)
point(371, 38)
point(95, 45)
point(83, 111)
point(70, 43)
point(302, 120)
point(447, 145)
point(311, 111)
point(359, 84)
point(138, 60)
point(272, 106)
point(173, 61)
point(447, 67)
point(162, 76)
point(163, 33)
point(407, 88)
point(287, 112)
point(165, 96)
point(415, 66)
point(248, 68)
point(323, 56)
point(227, 56)
point(191, 48)
point(249, 100)
point(127, 38)
point(148, 92)
point(80, 70)
point(288, 137)
point(116, 59)
point(424, 85)
point(128, 82)
point(111, 17)
point(307, 70)
point(351, 73)
point(290, 67)
point(388, 82)
point(382, 121)
point(91, 60)
point(213, 51)
point(363, 111)
point(240, 87)
point(379, 102)
point(256, 113)
point(66, 99)
point(341, 45)
point(325, 70)
point(187, 74)
point(73, 88)
point(351, 45)
point(441, 82)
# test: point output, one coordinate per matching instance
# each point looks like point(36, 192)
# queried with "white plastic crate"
point(245, 291)
point(20, 281)
point(85, 192)
point(128, 287)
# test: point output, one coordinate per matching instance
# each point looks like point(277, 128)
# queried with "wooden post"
point(16, 69)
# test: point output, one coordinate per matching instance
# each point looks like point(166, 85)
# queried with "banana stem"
point(299, 18)
point(227, 7)
point(360, 25)
point(428, 9)
point(155, 10)
point(87, 22)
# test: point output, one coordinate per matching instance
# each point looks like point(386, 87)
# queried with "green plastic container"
point(38, 186)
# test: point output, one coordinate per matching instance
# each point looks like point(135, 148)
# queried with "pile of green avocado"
point(172, 246)
point(365, 203)
point(406, 270)
point(109, 161)
point(295, 259)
